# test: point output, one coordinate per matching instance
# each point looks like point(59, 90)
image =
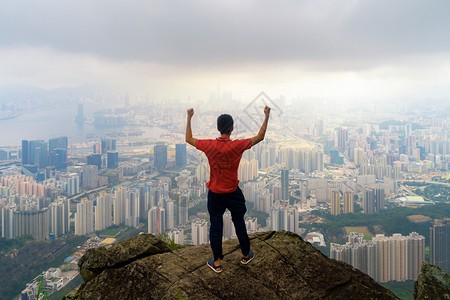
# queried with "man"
point(224, 193)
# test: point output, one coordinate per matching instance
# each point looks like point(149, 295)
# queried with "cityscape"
point(94, 100)
point(307, 171)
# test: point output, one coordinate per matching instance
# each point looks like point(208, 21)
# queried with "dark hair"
point(225, 123)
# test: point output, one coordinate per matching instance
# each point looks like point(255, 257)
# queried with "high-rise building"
point(108, 145)
point(229, 231)
point(357, 252)
point(8, 221)
point(440, 244)
point(358, 156)
point(103, 212)
point(160, 156)
point(284, 217)
point(399, 257)
point(199, 232)
point(59, 217)
point(348, 203)
point(84, 217)
point(156, 220)
point(58, 143)
point(132, 208)
point(335, 158)
point(342, 139)
point(113, 159)
point(79, 119)
point(335, 203)
point(284, 184)
point(395, 258)
point(177, 236)
point(119, 207)
point(32, 222)
point(95, 160)
point(183, 209)
point(26, 152)
point(368, 201)
point(379, 200)
point(171, 214)
point(180, 155)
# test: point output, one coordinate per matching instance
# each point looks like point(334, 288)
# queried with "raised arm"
point(262, 131)
point(189, 138)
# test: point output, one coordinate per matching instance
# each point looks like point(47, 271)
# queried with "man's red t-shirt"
point(224, 156)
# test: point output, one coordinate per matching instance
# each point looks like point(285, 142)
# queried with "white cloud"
point(185, 48)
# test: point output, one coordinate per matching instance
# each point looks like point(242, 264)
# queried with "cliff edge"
point(285, 267)
point(433, 283)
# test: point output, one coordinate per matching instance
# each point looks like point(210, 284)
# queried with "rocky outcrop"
point(285, 267)
point(433, 283)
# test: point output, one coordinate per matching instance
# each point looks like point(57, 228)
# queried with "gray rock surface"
point(433, 283)
point(285, 267)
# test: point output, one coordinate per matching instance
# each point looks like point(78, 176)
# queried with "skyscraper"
point(335, 203)
point(348, 203)
point(156, 220)
point(335, 158)
point(180, 155)
point(84, 217)
point(199, 232)
point(108, 145)
point(160, 156)
point(379, 200)
point(132, 208)
point(113, 159)
point(368, 201)
point(284, 184)
point(59, 217)
point(440, 244)
point(8, 221)
point(61, 142)
point(103, 212)
point(399, 257)
point(342, 139)
point(95, 160)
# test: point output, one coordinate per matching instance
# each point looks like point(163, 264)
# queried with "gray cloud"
point(364, 33)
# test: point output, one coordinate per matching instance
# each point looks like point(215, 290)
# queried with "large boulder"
point(433, 283)
point(115, 256)
point(285, 267)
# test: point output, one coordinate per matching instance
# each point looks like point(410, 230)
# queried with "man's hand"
point(189, 139)
point(267, 111)
point(190, 112)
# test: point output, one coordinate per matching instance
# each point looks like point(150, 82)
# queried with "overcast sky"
point(365, 49)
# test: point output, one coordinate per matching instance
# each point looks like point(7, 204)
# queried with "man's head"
point(225, 124)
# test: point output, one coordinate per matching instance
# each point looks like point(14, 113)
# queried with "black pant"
point(217, 204)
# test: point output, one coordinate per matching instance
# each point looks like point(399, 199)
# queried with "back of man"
point(223, 156)
point(224, 193)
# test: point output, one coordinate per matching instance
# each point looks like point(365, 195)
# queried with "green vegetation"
point(389, 221)
point(435, 192)
point(403, 290)
point(261, 216)
point(41, 294)
point(111, 231)
point(22, 266)
point(440, 179)
point(414, 183)
point(129, 233)
point(172, 245)
point(7, 245)
point(198, 208)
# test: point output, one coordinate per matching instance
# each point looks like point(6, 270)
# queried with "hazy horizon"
point(185, 50)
